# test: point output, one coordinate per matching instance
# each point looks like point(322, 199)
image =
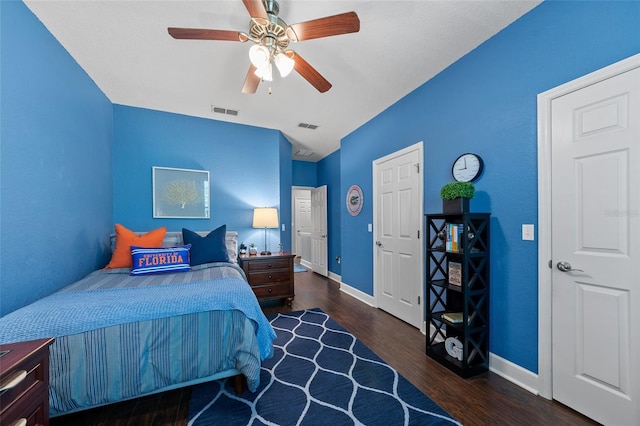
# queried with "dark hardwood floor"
point(487, 399)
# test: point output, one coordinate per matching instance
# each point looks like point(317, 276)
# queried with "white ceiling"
point(125, 48)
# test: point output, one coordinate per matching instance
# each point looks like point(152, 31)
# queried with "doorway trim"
point(545, 365)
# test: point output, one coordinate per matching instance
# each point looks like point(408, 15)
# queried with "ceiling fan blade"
point(310, 74)
point(251, 81)
point(344, 23)
point(256, 9)
point(203, 34)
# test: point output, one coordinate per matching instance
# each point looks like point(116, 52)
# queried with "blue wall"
point(55, 173)
point(286, 181)
point(305, 173)
point(486, 103)
point(243, 161)
point(335, 204)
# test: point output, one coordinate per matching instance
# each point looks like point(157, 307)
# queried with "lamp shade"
point(265, 217)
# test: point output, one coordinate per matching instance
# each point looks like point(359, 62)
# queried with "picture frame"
point(455, 273)
point(180, 193)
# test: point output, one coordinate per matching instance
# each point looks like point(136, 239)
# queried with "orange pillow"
point(121, 257)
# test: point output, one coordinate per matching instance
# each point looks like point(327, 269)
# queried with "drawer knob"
point(269, 276)
point(269, 265)
point(270, 289)
point(13, 380)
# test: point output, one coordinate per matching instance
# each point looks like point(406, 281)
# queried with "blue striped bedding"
point(120, 336)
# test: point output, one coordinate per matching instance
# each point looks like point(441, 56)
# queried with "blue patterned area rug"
point(320, 374)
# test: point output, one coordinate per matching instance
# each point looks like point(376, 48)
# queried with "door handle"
point(378, 243)
point(566, 267)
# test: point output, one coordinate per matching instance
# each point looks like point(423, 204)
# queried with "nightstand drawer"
point(24, 376)
point(34, 381)
point(277, 289)
point(33, 408)
point(268, 264)
point(268, 277)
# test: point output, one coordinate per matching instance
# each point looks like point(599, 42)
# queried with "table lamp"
point(265, 217)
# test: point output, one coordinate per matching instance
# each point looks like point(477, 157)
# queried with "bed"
point(119, 336)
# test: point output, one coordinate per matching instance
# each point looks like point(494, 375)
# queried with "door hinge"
point(418, 234)
point(418, 300)
point(417, 167)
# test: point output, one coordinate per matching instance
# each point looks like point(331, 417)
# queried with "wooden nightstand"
point(24, 380)
point(270, 276)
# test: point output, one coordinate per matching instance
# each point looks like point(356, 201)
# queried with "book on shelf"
point(455, 273)
point(454, 237)
point(453, 317)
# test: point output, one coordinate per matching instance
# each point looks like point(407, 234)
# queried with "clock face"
point(467, 168)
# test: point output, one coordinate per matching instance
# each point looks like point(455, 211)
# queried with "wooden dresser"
point(24, 380)
point(270, 276)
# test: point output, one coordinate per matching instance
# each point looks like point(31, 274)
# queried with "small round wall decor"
point(354, 200)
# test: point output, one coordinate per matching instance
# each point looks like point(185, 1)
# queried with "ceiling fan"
point(271, 37)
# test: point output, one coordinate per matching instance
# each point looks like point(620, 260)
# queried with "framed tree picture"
point(180, 193)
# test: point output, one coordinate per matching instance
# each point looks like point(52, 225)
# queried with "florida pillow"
point(160, 260)
point(121, 257)
point(212, 248)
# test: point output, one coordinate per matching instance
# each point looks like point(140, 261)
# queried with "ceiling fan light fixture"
point(284, 64)
point(265, 73)
point(259, 56)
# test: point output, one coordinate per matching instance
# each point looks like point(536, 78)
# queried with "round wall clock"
point(354, 200)
point(467, 167)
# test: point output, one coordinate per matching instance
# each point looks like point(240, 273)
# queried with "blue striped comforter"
point(119, 336)
point(107, 298)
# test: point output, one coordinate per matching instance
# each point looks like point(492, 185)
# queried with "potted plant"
point(252, 249)
point(455, 196)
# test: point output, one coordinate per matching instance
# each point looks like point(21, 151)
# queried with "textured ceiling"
point(125, 48)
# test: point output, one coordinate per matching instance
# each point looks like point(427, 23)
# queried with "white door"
point(397, 191)
point(595, 231)
point(302, 224)
point(319, 243)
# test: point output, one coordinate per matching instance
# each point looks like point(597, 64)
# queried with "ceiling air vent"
point(223, 110)
point(304, 153)
point(308, 126)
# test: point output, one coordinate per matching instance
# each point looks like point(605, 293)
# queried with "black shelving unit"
point(470, 298)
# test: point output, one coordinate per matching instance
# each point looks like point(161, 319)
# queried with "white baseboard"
point(335, 277)
point(360, 295)
point(514, 373)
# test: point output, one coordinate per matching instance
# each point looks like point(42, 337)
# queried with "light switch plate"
point(527, 232)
